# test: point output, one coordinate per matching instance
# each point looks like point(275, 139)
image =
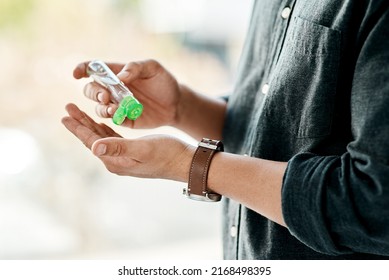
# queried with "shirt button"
point(285, 12)
point(265, 89)
point(233, 231)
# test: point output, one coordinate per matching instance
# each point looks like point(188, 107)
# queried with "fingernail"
point(100, 150)
point(100, 97)
point(123, 75)
point(110, 110)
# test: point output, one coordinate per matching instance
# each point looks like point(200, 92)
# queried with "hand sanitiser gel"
point(128, 105)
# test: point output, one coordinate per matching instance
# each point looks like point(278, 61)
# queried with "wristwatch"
point(197, 188)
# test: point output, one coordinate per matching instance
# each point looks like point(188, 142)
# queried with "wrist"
point(182, 109)
point(180, 172)
point(197, 188)
point(199, 115)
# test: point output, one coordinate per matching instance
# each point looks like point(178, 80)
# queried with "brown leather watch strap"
point(198, 174)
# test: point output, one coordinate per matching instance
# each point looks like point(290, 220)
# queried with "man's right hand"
point(154, 87)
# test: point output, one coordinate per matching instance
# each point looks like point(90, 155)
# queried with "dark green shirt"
point(313, 90)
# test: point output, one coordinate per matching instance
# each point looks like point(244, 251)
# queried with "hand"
point(150, 83)
point(156, 156)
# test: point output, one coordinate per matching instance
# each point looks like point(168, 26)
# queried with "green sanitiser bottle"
point(128, 105)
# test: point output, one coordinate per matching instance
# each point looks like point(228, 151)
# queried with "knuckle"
point(132, 67)
point(89, 141)
point(133, 64)
point(102, 111)
point(117, 151)
point(153, 64)
point(91, 90)
point(88, 90)
point(98, 111)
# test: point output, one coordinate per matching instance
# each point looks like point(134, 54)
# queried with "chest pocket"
point(303, 84)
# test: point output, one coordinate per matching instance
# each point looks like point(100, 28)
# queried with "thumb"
point(130, 72)
point(139, 70)
point(112, 147)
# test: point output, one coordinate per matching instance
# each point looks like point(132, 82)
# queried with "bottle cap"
point(129, 107)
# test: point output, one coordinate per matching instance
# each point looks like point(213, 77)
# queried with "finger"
point(139, 70)
point(86, 135)
point(114, 147)
point(109, 131)
point(74, 111)
point(97, 93)
point(80, 116)
point(105, 111)
point(80, 70)
point(116, 155)
point(109, 147)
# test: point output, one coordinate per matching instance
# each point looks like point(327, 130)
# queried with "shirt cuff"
point(303, 201)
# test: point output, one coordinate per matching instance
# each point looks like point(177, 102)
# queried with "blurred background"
point(57, 201)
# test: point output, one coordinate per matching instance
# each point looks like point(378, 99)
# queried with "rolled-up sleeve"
point(340, 204)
